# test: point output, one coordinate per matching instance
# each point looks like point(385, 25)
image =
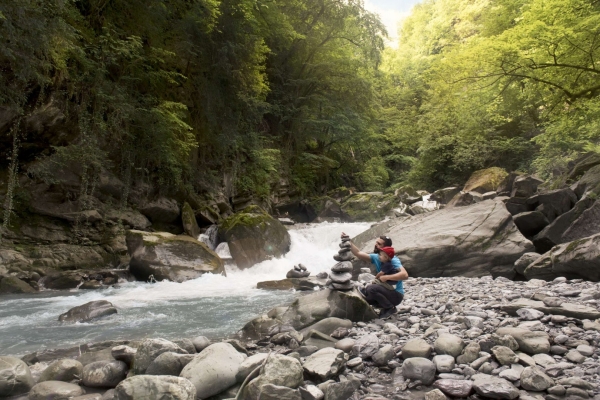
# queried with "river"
point(212, 305)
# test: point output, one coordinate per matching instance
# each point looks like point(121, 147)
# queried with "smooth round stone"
point(585, 350)
point(552, 301)
point(560, 339)
point(558, 390)
point(535, 379)
point(416, 348)
point(342, 277)
point(510, 375)
point(559, 319)
point(529, 314)
point(558, 350)
point(55, 390)
point(453, 387)
point(455, 377)
point(354, 362)
point(444, 363)
point(575, 356)
point(343, 266)
point(345, 345)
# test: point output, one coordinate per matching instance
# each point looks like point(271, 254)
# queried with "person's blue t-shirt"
point(395, 262)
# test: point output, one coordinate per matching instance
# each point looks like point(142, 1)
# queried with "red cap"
point(389, 251)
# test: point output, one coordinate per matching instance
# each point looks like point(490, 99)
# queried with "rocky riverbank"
point(452, 337)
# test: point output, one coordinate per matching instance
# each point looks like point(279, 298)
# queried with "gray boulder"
point(325, 363)
point(55, 390)
point(328, 325)
point(149, 349)
point(88, 311)
point(188, 218)
point(249, 365)
point(444, 363)
point(557, 308)
point(449, 344)
point(589, 184)
point(104, 374)
point(554, 233)
point(454, 388)
point(214, 369)
point(384, 355)
point(419, 368)
point(65, 370)
point(416, 348)
point(310, 309)
point(366, 346)
point(530, 222)
point(577, 259)
point(534, 379)
point(14, 285)
point(469, 354)
point(525, 186)
point(200, 343)
point(531, 342)
point(492, 387)
point(167, 256)
point(155, 387)
point(554, 203)
point(342, 390)
point(161, 210)
point(443, 196)
point(504, 355)
point(169, 364)
point(279, 370)
point(124, 353)
point(588, 224)
point(269, 391)
point(460, 241)
point(15, 377)
point(524, 261)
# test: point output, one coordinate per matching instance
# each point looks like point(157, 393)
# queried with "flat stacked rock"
point(340, 277)
point(299, 271)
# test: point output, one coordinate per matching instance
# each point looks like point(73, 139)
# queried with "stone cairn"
point(299, 271)
point(340, 277)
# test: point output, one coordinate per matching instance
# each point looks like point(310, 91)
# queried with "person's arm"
point(361, 255)
point(398, 276)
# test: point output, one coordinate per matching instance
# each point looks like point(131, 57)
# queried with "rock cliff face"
point(469, 241)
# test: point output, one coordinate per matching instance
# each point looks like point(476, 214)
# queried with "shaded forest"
point(198, 95)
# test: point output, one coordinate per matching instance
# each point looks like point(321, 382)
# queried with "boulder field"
point(453, 337)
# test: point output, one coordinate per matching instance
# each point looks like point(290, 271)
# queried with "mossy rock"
point(173, 257)
point(577, 259)
point(12, 284)
point(369, 206)
point(589, 184)
point(254, 236)
point(485, 180)
point(326, 209)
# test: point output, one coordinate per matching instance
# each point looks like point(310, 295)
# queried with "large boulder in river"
point(321, 209)
point(214, 369)
point(12, 284)
point(576, 259)
point(162, 387)
point(369, 206)
point(88, 311)
point(309, 309)
point(485, 180)
point(168, 256)
point(15, 377)
point(462, 241)
point(254, 236)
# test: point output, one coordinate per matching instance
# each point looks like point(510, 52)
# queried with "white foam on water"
point(214, 305)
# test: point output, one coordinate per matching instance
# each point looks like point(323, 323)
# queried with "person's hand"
point(379, 275)
point(383, 278)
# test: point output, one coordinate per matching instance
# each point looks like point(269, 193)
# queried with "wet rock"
point(418, 368)
point(155, 387)
point(88, 312)
point(12, 284)
point(55, 390)
point(104, 374)
point(149, 349)
point(15, 377)
point(65, 370)
point(163, 256)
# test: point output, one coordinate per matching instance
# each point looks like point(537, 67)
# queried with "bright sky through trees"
point(391, 12)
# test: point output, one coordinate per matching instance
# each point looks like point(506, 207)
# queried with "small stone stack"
point(299, 271)
point(340, 277)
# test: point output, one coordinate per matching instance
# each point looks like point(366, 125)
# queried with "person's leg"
point(380, 296)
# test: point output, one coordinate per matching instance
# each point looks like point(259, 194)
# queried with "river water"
point(212, 305)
